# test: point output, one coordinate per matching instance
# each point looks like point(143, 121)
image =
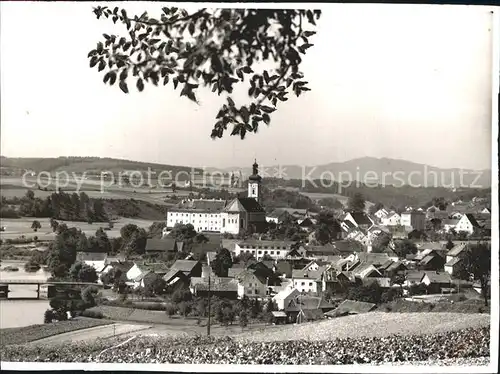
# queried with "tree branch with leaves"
point(216, 49)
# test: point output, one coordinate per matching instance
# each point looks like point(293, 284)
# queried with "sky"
point(398, 81)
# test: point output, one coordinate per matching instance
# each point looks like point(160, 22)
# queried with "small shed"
point(348, 307)
point(279, 317)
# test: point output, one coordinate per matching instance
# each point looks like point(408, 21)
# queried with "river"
point(18, 313)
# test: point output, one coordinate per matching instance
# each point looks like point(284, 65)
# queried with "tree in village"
point(222, 262)
point(405, 247)
point(53, 224)
point(243, 318)
point(381, 242)
point(477, 262)
point(211, 48)
point(449, 244)
point(375, 208)
point(83, 273)
point(356, 203)
point(36, 225)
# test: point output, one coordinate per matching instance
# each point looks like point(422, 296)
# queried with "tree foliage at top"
point(216, 49)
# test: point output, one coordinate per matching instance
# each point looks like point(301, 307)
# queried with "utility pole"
point(208, 323)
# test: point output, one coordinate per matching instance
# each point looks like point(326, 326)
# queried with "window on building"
point(223, 222)
point(272, 252)
point(260, 252)
point(265, 252)
point(303, 283)
point(256, 292)
point(310, 284)
point(277, 252)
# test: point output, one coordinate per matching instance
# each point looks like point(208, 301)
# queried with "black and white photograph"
point(249, 187)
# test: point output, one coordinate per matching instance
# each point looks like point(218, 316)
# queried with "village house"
point(392, 219)
point(449, 224)
point(155, 247)
point(284, 297)
point(304, 308)
point(219, 287)
point(454, 258)
point(259, 248)
point(97, 260)
point(360, 220)
point(437, 281)
point(467, 224)
point(306, 280)
point(278, 216)
point(413, 220)
point(251, 285)
point(381, 213)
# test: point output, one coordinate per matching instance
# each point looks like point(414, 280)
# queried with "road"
point(93, 333)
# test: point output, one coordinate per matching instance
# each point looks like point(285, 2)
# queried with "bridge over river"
point(51, 288)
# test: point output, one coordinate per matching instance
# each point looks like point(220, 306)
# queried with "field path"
point(92, 333)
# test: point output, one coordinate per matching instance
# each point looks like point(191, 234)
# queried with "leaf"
point(266, 76)
point(165, 80)
point(191, 96)
point(266, 118)
point(93, 61)
point(100, 47)
point(239, 74)
point(309, 33)
point(140, 85)
point(106, 36)
point(176, 82)
point(102, 65)
point(191, 28)
point(91, 53)
point(231, 102)
point(106, 77)
point(247, 70)
point(124, 87)
point(123, 74)
point(245, 114)
point(112, 77)
point(267, 109)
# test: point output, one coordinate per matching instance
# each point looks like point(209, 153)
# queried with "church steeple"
point(254, 183)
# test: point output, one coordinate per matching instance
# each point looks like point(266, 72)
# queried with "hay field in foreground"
point(374, 324)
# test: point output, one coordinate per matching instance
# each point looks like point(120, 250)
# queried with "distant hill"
point(86, 164)
point(383, 171)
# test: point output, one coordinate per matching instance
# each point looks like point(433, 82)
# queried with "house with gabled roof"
point(359, 219)
point(381, 213)
point(454, 258)
point(219, 286)
point(285, 296)
point(307, 280)
point(188, 267)
point(436, 281)
point(159, 246)
point(251, 284)
point(276, 249)
point(349, 307)
point(468, 224)
point(278, 215)
point(97, 260)
point(391, 219)
point(305, 308)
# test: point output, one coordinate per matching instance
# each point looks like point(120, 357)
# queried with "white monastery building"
point(220, 215)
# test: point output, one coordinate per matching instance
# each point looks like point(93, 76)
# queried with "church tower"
point(254, 183)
